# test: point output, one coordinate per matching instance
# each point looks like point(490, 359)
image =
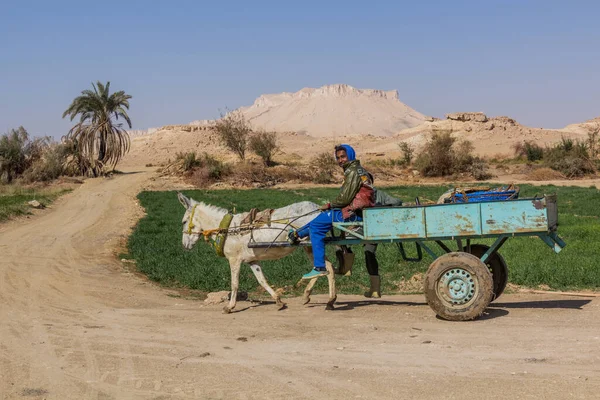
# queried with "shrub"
point(479, 169)
point(18, 153)
point(203, 170)
point(592, 140)
point(436, 158)
point(544, 174)
point(187, 161)
point(529, 150)
point(565, 144)
point(463, 156)
point(443, 156)
point(407, 152)
point(264, 144)
point(570, 158)
point(216, 169)
point(233, 131)
point(50, 165)
point(324, 167)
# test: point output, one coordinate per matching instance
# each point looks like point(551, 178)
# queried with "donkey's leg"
point(309, 287)
point(308, 290)
point(260, 277)
point(332, 291)
point(235, 280)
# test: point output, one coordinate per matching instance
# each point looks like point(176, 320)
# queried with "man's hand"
point(325, 207)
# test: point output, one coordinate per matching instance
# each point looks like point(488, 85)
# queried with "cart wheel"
point(496, 265)
point(458, 286)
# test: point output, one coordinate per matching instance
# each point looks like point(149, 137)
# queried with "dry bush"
point(545, 174)
point(408, 152)
point(324, 168)
point(199, 177)
point(436, 158)
point(233, 131)
point(200, 171)
point(569, 157)
point(187, 161)
point(478, 169)
point(463, 156)
point(592, 140)
point(264, 144)
point(18, 153)
point(386, 169)
point(285, 173)
point(385, 163)
point(499, 158)
point(442, 156)
point(254, 175)
point(528, 150)
point(50, 165)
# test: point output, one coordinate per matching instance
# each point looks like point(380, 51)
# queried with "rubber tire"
point(497, 265)
point(483, 280)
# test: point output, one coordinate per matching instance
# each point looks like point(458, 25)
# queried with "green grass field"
point(156, 243)
point(13, 199)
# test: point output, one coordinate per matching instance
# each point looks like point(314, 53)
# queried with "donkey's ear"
point(184, 200)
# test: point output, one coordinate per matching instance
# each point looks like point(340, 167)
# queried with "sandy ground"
point(76, 325)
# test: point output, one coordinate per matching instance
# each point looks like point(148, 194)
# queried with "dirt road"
point(75, 325)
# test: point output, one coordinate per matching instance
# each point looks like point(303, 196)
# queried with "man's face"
point(341, 157)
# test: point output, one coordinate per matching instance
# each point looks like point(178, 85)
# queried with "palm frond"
point(99, 136)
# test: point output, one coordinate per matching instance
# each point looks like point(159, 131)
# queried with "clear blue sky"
point(536, 61)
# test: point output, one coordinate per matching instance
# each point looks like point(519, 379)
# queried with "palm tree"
point(100, 139)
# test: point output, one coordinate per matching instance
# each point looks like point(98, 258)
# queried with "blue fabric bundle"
point(479, 194)
point(496, 194)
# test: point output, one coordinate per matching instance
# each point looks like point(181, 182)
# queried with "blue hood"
point(349, 152)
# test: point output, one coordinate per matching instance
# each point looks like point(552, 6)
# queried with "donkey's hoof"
point(305, 300)
point(281, 306)
point(330, 303)
point(226, 310)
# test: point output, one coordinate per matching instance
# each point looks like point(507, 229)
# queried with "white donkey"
point(202, 219)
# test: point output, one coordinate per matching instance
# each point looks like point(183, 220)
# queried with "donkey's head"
point(192, 226)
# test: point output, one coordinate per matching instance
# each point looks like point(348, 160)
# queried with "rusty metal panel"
point(394, 223)
point(513, 217)
point(453, 220)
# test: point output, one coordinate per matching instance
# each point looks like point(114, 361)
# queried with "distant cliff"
point(333, 110)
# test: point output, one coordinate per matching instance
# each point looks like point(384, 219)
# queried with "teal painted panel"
point(453, 220)
point(515, 216)
point(394, 223)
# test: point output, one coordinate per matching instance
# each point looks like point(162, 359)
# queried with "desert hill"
point(583, 127)
point(311, 121)
point(490, 135)
point(333, 110)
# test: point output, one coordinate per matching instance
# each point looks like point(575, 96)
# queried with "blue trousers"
point(317, 230)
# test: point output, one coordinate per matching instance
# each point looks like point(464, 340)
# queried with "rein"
point(207, 233)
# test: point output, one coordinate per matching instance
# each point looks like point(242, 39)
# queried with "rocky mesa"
point(333, 111)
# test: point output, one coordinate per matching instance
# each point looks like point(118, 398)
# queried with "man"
point(355, 194)
point(381, 199)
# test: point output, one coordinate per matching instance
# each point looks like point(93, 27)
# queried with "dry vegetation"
point(442, 156)
point(260, 162)
point(570, 158)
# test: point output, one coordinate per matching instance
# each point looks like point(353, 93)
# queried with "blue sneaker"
point(315, 273)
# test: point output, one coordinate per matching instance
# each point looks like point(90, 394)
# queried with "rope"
point(209, 232)
point(288, 224)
